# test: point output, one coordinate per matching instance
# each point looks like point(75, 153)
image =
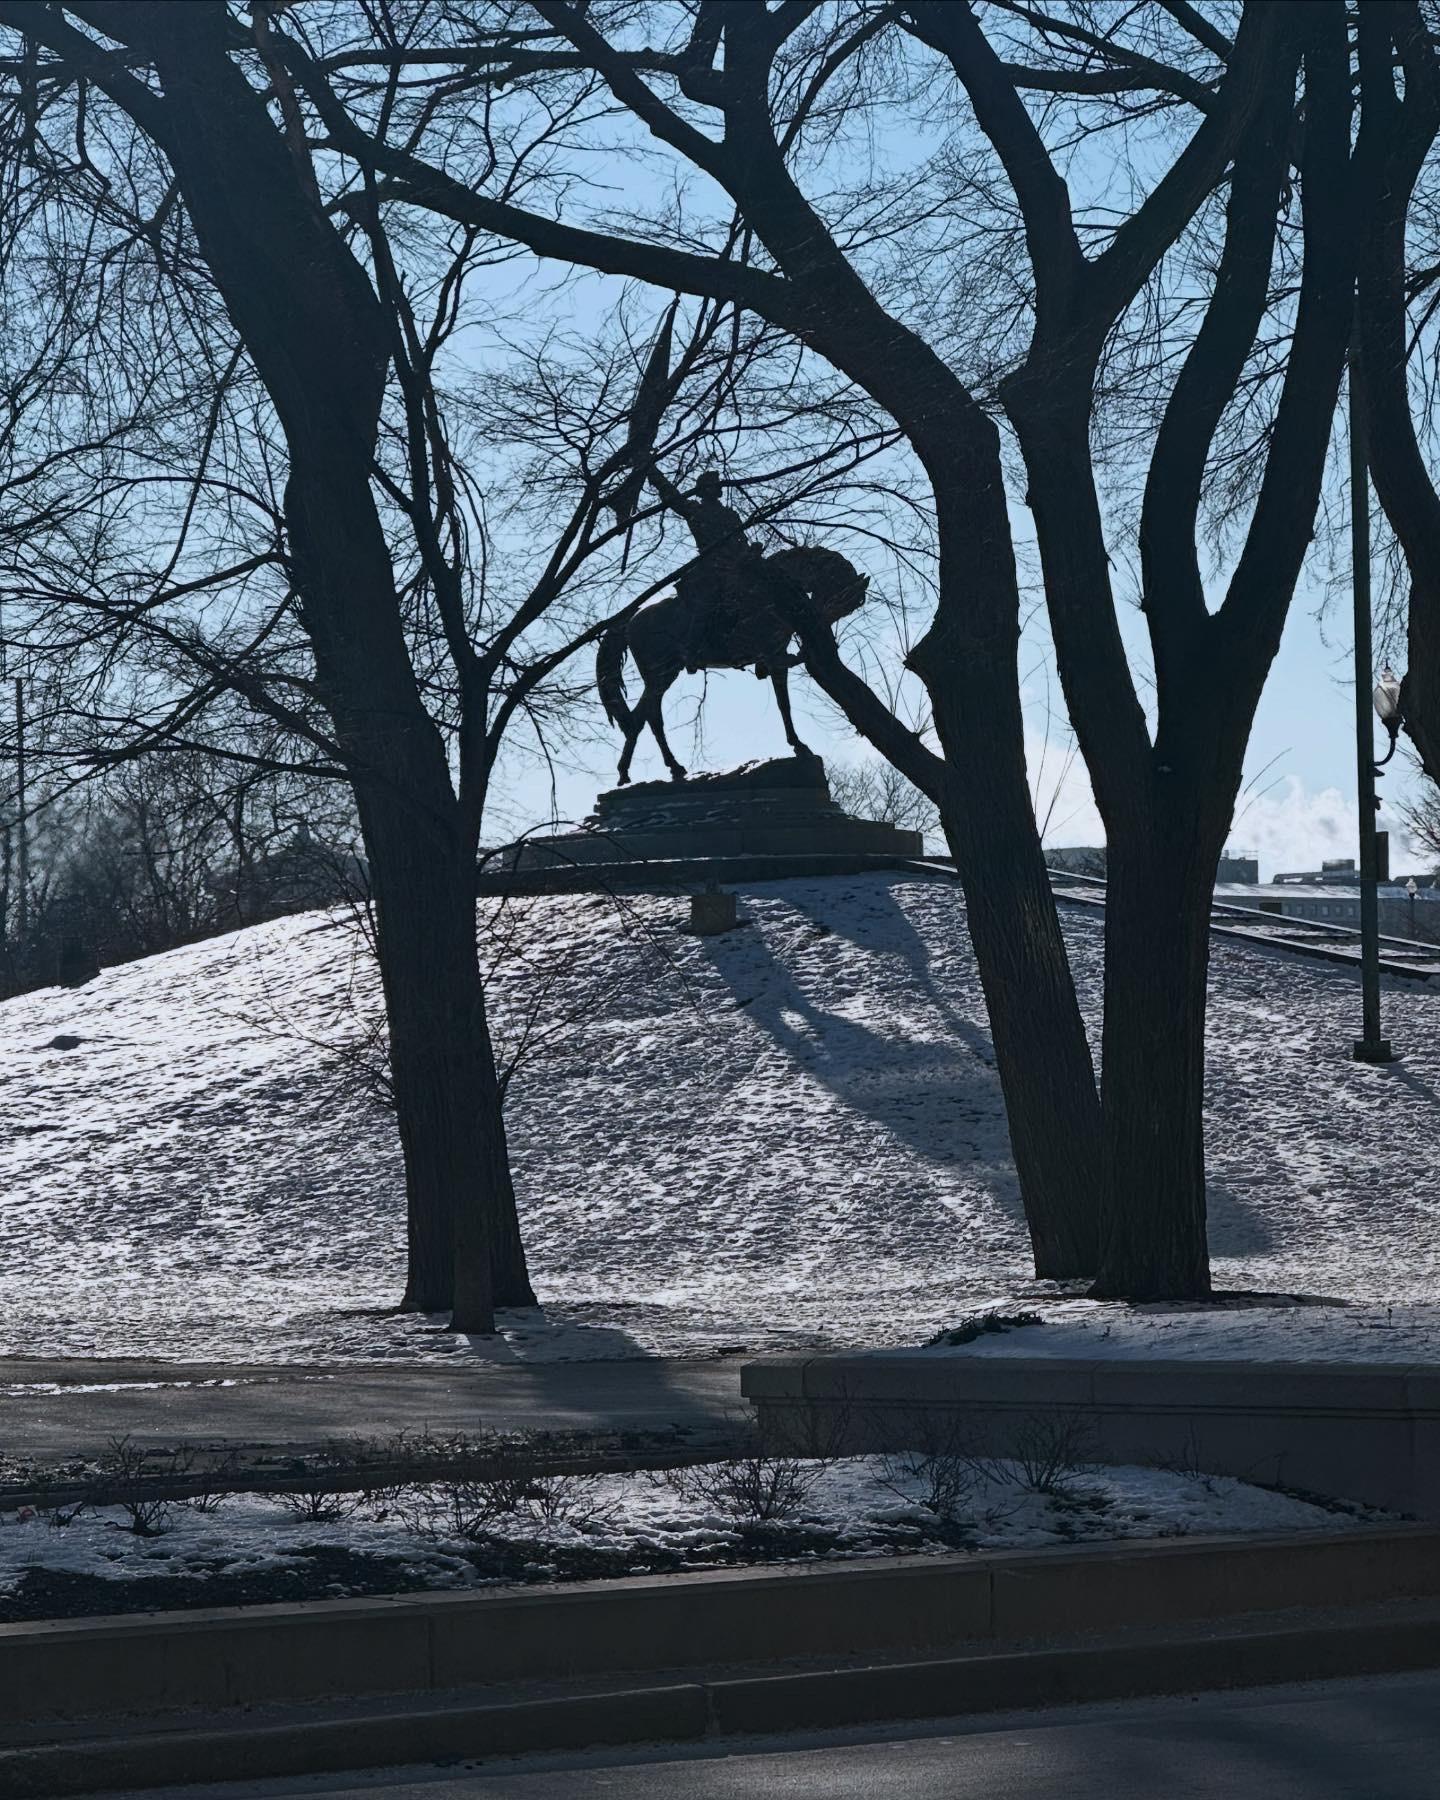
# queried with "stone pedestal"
point(777, 808)
point(713, 911)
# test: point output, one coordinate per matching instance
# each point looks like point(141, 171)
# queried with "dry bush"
point(329, 1486)
point(215, 1482)
point(941, 1463)
point(457, 1499)
point(127, 1476)
point(759, 1488)
point(1050, 1449)
point(774, 1474)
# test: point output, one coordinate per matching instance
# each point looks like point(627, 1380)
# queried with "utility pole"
point(1370, 1046)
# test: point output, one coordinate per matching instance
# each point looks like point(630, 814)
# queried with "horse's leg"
point(652, 703)
point(634, 725)
point(780, 681)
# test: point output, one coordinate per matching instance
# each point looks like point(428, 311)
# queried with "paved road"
point(1370, 1740)
point(54, 1409)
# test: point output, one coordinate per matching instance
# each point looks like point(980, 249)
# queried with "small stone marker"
point(712, 912)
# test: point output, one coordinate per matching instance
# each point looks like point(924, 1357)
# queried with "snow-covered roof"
point(1250, 893)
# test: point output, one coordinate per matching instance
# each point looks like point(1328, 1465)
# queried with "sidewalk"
point(53, 1409)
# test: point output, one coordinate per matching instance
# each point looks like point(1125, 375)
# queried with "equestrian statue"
point(732, 609)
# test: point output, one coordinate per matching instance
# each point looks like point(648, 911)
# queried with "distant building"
point(1402, 914)
point(1079, 859)
point(1341, 869)
point(1089, 859)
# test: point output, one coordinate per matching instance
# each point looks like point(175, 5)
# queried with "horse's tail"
point(610, 677)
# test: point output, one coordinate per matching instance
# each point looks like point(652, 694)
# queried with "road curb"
point(611, 1630)
point(1256, 1652)
point(248, 1751)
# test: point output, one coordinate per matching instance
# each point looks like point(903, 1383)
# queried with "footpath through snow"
point(788, 1135)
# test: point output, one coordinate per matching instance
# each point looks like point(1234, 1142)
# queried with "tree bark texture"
point(1398, 467)
point(1158, 892)
point(316, 333)
point(968, 662)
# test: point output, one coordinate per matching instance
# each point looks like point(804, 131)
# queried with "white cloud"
point(1290, 827)
point(1287, 826)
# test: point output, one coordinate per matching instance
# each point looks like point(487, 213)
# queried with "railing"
point(1409, 957)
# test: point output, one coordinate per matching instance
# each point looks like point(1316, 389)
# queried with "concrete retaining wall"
point(242, 1656)
point(1368, 1432)
point(245, 1656)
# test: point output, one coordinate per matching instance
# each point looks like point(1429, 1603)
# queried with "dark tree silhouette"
point(1395, 43)
point(1117, 1181)
point(375, 653)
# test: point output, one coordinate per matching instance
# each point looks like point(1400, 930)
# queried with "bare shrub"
point(941, 1464)
point(131, 1478)
point(57, 1514)
point(758, 1488)
point(512, 1482)
point(1187, 1460)
point(328, 1486)
point(215, 1483)
point(1050, 1449)
point(781, 1461)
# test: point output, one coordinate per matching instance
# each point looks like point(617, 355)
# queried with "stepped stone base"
point(777, 808)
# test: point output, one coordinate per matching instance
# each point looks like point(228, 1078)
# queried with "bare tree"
point(164, 851)
point(1422, 817)
point(1396, 309)
point(368, 613)
point(877, 790)
point(1180, 300)
point(816, 294)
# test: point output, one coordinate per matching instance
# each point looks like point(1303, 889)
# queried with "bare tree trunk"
point(422, 868)
point(318, 338)
point(968, 661)
point(465, 1255)
point(1158, 892)
point(1407, 130)
point(1041, 1051)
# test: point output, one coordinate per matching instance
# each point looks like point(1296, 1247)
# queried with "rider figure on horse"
point(717, 583)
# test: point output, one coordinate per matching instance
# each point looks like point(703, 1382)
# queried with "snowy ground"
point(791, 1134)
point(610, 1525)
point(1224, 1332)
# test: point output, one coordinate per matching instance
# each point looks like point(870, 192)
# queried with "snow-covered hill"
point(790, 1132)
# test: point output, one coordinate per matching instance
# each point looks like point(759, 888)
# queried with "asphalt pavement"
point(53, 1409)
point(1377, 1739)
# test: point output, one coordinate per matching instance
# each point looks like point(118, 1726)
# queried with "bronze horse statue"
point(687, 630)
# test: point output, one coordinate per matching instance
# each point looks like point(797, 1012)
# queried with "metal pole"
point(1370, 1047)
point(22, 908)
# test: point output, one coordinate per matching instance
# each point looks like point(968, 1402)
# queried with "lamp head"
point(1387, 700)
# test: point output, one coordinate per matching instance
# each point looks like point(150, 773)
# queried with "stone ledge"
point(1356, 1431)
point(247, 1656)
point(682, 874)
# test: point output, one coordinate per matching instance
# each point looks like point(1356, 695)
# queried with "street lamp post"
point(1412, 889)
point(1370, 1047)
